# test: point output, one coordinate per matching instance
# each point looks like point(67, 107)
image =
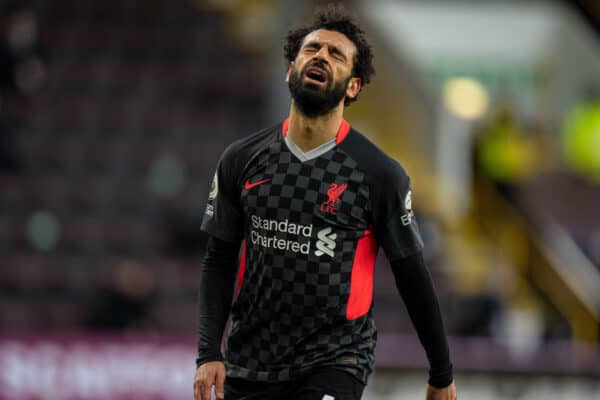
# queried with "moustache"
point(318, 64)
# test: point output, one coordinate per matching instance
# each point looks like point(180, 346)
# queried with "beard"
point(314, 101)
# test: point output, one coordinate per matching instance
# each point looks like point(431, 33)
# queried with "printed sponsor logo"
point(249, 185)
point(326, 242)
point(260, 234)
point(348, 360)
point(297, 237)
point(212, 195)
point(333, 193)
point(409, 215)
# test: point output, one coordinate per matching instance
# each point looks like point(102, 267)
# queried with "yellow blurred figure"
point(505, 153)
point(581, 140)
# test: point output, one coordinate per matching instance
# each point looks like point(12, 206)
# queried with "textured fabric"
point(328, 384)
point(302, 222)
point(416, 288)
point(325, 383)
point(305, 156)
point(217, 277)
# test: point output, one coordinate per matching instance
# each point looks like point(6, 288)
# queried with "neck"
point(309, 133)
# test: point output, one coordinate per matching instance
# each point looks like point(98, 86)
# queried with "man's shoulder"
point(372, 159)
point(240, 151)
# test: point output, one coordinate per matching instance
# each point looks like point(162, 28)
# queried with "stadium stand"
point(115, 145)
point(127, 84)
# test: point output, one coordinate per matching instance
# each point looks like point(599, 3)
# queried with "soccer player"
point(302, 207)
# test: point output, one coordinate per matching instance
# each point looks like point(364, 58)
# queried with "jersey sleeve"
point(395, 224)
point(223, 217)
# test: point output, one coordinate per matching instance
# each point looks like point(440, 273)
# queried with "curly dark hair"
point(335, 18)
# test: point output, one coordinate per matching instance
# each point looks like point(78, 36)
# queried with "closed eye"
point(337, 54)
point(312, 47)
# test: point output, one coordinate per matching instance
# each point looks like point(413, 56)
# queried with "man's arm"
point(217, 278)
point(416, 288)
point(397, 231)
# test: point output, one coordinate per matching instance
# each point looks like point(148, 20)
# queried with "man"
point(309, 201)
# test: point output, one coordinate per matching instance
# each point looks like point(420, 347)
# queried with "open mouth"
point(316, 74)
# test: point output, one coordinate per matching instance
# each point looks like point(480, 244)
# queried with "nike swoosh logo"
point(248, 185)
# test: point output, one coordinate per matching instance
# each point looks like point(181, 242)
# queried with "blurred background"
point(113, 115)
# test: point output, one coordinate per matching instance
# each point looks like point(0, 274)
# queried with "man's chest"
point(329, 190)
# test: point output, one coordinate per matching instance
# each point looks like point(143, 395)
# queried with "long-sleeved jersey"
point(310, 225)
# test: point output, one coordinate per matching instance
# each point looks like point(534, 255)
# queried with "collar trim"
point(342, 132)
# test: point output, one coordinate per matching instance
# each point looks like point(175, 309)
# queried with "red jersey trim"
point(361, 279)
point(342, 132)
point(284, 127)
point(241, 271)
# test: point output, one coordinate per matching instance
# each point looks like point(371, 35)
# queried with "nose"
point(323, 53)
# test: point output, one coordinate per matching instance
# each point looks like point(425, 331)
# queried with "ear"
point(289, 71)
point(353, 87)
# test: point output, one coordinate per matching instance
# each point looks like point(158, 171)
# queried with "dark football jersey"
point(310, 225)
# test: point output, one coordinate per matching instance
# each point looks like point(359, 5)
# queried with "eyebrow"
point(332, 48)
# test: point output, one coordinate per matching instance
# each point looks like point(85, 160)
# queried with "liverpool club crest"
point(333, 193)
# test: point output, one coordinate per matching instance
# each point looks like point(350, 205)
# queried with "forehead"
point(331, 38)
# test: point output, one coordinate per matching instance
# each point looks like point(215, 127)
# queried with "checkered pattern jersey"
point(310, 231)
